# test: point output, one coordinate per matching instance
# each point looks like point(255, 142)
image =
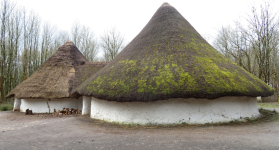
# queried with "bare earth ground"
point(20, 131)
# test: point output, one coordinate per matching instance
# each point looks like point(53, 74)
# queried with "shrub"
point(6, 107)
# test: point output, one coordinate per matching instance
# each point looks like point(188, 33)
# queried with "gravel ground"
point(19, 131)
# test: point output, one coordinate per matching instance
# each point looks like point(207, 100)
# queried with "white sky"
point(129, 17)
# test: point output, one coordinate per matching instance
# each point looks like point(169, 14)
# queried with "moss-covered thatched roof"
point(56, 77)
point(169, 59)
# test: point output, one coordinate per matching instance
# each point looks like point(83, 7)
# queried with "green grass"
point(6, 107)
point(269, 105)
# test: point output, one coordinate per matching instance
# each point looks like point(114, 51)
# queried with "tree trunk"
point(0, 98)
point(275, 83)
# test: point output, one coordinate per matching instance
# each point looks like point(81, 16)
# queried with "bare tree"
point(32, 30)
point(111, 43)
point(47, 39)
point(60, 38)
point(12, 46)
point(76, 33)
point(6, 10)
point(254, 46)
point(99, 59)
point(84, 39)
point(233, 44)
point(261, 33)
point(89, 46)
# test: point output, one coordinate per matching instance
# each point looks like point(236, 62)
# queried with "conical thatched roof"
point(55, 77)
point(169, 59)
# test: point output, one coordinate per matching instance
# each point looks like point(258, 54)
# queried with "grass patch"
point(6, 107)
point(266, 116)
point(269, 105)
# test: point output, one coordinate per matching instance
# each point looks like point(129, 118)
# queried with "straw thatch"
point(83, 72)
point(55, 77)
point(169, 59)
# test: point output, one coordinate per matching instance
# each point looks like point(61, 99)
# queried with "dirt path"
point(19, 131)
point(271, 109)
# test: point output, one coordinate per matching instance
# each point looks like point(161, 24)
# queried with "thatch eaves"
point(169, 59)
point(54, 78)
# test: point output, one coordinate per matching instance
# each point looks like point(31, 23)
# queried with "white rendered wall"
point(17, 103)
point(41, 105)
point(86, 102)
point(192, 111)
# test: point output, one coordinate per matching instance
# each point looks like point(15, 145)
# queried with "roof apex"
point(165, 4)
point(69, 43)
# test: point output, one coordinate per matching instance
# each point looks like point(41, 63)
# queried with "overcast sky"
point(129, 17)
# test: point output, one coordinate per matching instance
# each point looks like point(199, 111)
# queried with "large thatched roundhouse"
point(169, 74)
point(50, 85)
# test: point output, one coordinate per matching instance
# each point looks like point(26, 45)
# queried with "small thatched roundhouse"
point(169, 74)
point(50, 85)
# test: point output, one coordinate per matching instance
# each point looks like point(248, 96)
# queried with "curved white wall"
point(41, 105)
point(17, 103)
point(193, 111)
point(86, 104)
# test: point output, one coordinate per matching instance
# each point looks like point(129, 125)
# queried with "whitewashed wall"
point(193, 111)
point(86, 101)
point(17, 103)
point(41, 105)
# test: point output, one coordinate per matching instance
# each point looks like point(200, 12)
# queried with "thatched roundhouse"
point(50, 85)
point(169, 74)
